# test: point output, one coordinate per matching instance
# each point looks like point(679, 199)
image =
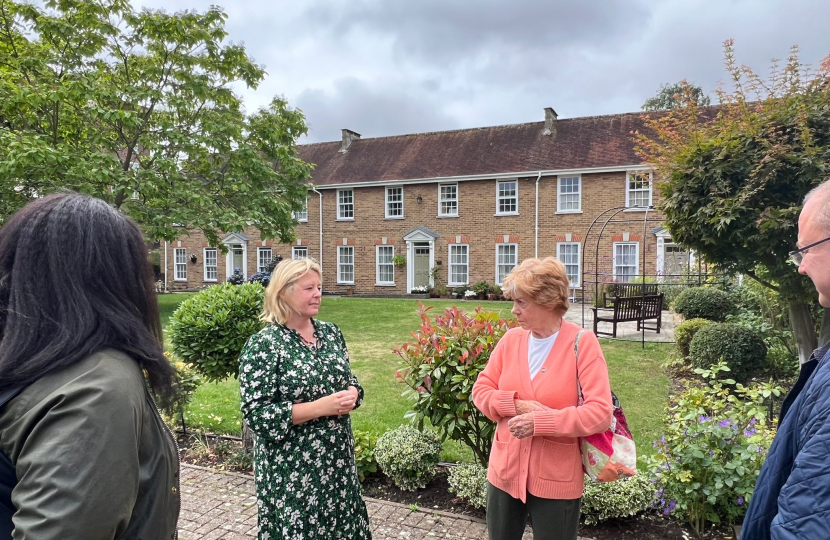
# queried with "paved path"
point(223, 505)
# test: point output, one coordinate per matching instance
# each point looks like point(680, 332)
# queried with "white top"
point(537, 352)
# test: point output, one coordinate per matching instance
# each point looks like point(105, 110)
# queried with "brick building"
point(470, 203)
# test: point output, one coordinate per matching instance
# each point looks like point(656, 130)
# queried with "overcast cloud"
point(389, 67)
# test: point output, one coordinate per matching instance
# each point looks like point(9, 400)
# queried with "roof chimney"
point(550, 121)
point(349, 137)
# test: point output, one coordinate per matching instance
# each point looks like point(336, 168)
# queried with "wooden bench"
point(616, 290)
point(631, 308)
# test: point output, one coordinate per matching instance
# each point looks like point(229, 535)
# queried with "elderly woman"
point(297, 392)
point(529, 388)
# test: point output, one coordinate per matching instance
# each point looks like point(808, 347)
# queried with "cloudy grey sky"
point(389, 67)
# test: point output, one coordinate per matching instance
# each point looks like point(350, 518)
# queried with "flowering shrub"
point(623, 498)
point(408, 456)
point(364, 454)
point(263, 278)
point(237, 278)
point(469, 481)
point(419, 289)
point(715, 442)
point(469, 294)
point(442, 363)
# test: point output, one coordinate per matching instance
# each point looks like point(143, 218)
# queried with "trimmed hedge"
point(742, 349)
point(608, 500)
point(209, 329)
point(408, 456)
point(685, 331)
point(703, 303)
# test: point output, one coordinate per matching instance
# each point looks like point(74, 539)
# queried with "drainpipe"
point(321, 226)
point(165, 267)
point(536, 239)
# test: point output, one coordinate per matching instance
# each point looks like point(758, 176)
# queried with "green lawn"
point(372, 327)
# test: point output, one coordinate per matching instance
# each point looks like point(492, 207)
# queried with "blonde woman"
point(297, 391)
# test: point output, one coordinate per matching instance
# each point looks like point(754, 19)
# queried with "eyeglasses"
point(798, 255)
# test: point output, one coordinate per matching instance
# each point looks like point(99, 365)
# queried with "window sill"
point(568, 212)
point(211, 281)
point(345, 219)
point(180, 280)
point(384, 284)
point(457, 284)
point(345, 282)
point(439, 216)
point(640, 209)
point(393, 217)
point(506, 214)
point(302, 221)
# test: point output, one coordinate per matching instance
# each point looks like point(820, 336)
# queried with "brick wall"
point(477, 224)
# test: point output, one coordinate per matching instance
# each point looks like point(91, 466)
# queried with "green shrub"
point(703, 303)
point(685, 331)
point(608, 500)
point(715, 440)
point(469, 482)
point(408, 456)
point(742, 349)
point(187, 381)
point(364, 453)
point(209, 329)
point(442, 364)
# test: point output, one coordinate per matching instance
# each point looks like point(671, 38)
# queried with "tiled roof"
point(578, 143)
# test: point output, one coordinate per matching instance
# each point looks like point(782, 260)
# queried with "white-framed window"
point(394, 202)
point(385, 274)
point(638, 189)
point(626, 261)
point(569, 194)
point(299, 252)
point(568, 254)
point(345, 204)
point(506, 260)
point(447, 199)
point(345, 264)
point(180, 264)
point(263, 258)
point(302, 215)
point(211, 258)
point(459, 270)
point(507, 197)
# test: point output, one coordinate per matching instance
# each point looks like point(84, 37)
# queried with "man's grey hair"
point(822, 192)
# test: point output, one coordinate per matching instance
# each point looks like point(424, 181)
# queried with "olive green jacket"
point(94, 460)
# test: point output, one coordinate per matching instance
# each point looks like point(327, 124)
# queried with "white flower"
point(468, 294)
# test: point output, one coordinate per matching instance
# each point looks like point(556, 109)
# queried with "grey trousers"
point(551, 519)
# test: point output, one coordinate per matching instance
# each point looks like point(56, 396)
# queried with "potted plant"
point(497, 293)
point(481, 289)
point(349, 291)
point(434, 293)
point(443, 292)
point(398, 261)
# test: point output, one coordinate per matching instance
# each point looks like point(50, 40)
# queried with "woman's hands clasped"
point(338, 403)
point(521, 425)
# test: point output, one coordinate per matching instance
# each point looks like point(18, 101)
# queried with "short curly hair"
point(543, 280)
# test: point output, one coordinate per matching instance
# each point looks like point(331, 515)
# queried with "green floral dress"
point(306, 478)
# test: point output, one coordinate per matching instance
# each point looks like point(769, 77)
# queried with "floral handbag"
point(609, 455)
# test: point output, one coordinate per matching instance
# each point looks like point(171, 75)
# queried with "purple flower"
point(672, 504)
point(753, 422)
point(725, 423)
point(740, 501)
point(703, 418)
point(662, 439)
point(711, 452)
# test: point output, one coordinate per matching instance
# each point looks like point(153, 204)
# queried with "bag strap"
point(614, 399)
point(576, 356)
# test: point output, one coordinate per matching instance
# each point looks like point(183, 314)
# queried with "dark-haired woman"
point(79, 329)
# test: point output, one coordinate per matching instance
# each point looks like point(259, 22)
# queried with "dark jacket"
point(94, 460)
point(792, 496)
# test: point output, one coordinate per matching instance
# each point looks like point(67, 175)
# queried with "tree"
point(137, 108)
point(672, 96)
point(733, 178)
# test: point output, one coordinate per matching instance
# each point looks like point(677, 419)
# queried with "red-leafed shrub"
point(442, 364)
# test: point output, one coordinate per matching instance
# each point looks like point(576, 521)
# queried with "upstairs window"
point(638, 192)
point(569, 194)
point(345, 204)
point(394, 202)
point(507, 197)
point(448, 200)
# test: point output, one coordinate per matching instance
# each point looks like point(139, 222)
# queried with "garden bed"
point(225, 453)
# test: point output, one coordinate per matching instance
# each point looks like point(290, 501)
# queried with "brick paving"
point(219, 505)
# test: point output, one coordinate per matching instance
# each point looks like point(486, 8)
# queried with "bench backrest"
point(626, 308)
point(632, 289)
point(650, 305)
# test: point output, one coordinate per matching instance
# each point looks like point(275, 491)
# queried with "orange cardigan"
point(548, 464)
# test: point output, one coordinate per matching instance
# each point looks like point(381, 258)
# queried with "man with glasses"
point(792, 495)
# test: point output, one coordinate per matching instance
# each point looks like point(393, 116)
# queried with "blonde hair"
point(285, 275)
point(544, 281)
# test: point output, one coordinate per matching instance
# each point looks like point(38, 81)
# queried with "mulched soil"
point(436, 496)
